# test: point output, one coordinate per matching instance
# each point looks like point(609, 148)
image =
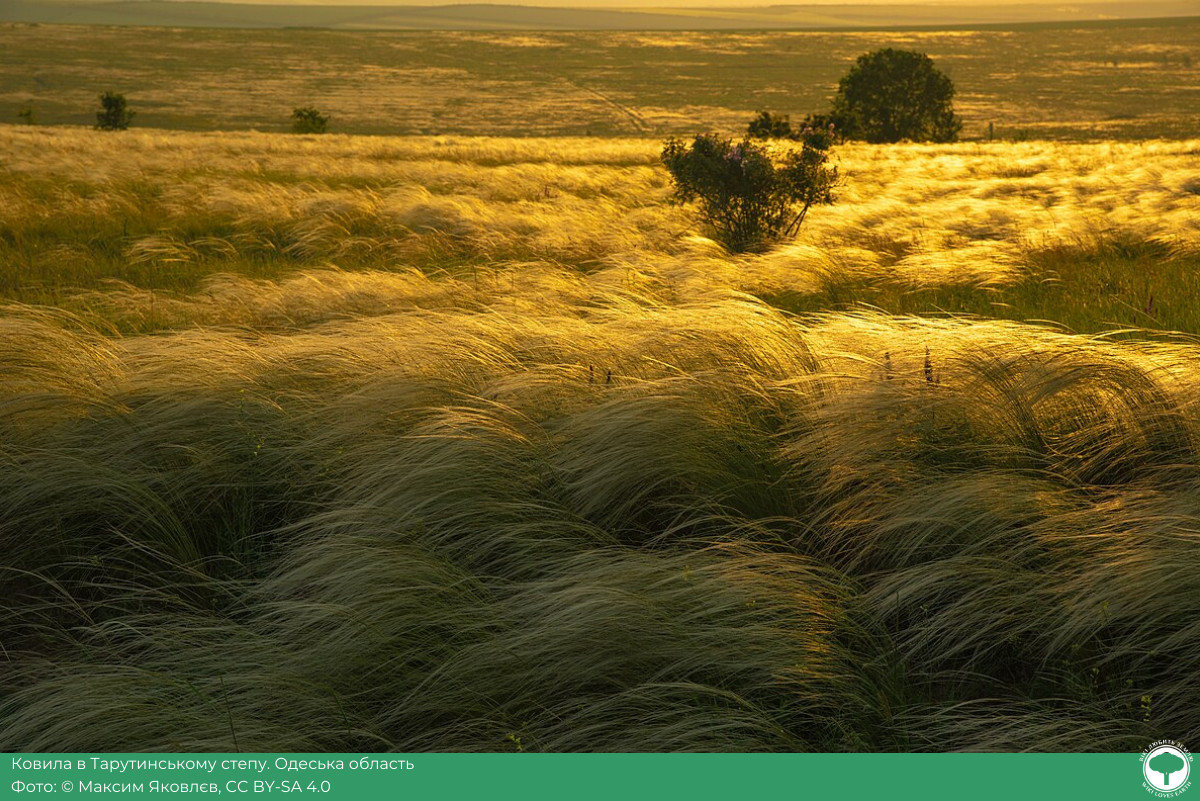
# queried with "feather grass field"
point(371, 444)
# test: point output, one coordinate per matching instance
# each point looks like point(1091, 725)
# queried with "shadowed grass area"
point(759, 535)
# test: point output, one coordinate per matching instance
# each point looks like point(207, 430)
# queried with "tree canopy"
point(890, 95)
point(114, 113)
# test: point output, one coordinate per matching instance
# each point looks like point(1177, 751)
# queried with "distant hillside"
point(164, 13)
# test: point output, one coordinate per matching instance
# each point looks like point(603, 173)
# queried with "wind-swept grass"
point(619, 504)
point(1093, 237)
point(443, 531)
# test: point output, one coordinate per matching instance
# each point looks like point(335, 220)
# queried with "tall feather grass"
point(441, 530)
point(532, 504)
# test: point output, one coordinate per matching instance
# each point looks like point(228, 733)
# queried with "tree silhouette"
point(890, 95)
point(1166, 763)
point(113, 115)
point(308, 121)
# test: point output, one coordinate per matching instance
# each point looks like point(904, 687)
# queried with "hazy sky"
point(1056, 4)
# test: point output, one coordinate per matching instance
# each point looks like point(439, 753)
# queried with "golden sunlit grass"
point(1095, 236)
point(429, 444)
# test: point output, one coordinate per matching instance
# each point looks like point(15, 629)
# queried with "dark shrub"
point(308, 121)
point(114, 114)
point(770, 126)
point(747, 196)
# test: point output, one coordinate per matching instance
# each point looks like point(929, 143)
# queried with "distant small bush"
point(114, 114)
point(824, 122)
point(308, 121)
point(748, 197)
point(890, 95)
point(770, 126)
point(779, 126)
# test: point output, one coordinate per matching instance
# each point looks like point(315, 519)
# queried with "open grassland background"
point(340, 443)
point(1127, 79)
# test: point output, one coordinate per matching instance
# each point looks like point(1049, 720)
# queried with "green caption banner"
point(584, 776)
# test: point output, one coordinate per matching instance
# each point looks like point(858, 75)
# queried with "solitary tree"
point(308, 121)
point(890, 95)
point(113, 114)
point(745, 195)
point(1166, 763)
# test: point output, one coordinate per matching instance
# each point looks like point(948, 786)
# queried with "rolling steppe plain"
point(475, 442)
point(1124, 79)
